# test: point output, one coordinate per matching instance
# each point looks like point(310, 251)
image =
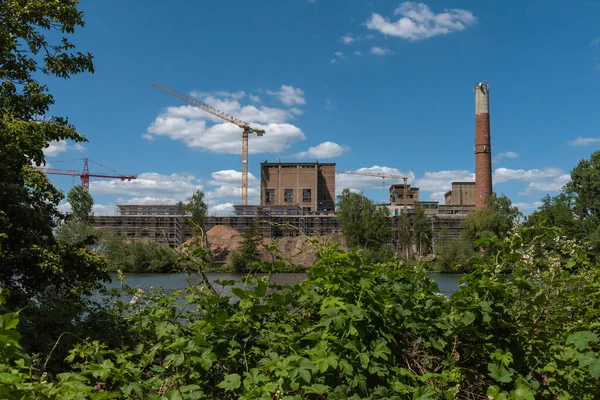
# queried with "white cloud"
point(324, 150)
point(175, 187)
point(528, 206)
point(221, 209)
point(289, 95)
point(149, 200)
point(197, 129)
point(502, 175)
point(595, 41)
point(580, 141)
point(339, 55)
point(417, 21)
point(378, 51)
point(229, 95)
point(440, 182)
point(255, 98)
point(333, 61)
point(506, 154)
point(147, 136)
point(358, 183)
point(60, 146)
point(553, 185)
point(347, 38)
point(357, 53)
point(97, 209)
point(229, 177)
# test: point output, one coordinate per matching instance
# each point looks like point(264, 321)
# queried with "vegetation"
point(197, 210)
point(81, 204)
point(522, 325)
point(248, 253)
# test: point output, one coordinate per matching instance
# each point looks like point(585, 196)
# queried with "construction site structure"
point(405, 195)
point(85, 174)
point(310, 186)
point(483, 146)
point(246, 131)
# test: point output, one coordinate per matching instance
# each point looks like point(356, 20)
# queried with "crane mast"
point(246, 130)
point(389, 176)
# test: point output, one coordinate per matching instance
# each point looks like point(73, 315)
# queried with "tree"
point(31, 260)
point(197, 210)
point(555, 211)
point(247, 253)
point(81, 203)
point(362, 222)
point(403, 230)
point(421, 230)
point(584, 187)
point(496, 219)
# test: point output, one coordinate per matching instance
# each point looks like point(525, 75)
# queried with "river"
point(448, 283)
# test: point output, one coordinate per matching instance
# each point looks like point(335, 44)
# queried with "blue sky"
point(381, 85)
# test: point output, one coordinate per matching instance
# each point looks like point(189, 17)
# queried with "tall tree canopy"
point(496, 219)
point(197, 209)
point(31, 261)
point(584, 187)
point(81, 203)
point(362, 222)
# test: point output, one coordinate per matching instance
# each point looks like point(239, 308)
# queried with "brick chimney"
point(483, 148)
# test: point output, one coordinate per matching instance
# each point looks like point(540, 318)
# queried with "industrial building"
point(310, 186)
point(299, 198)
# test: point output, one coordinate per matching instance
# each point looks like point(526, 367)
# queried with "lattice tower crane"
point(389, 176)
point(246, 130)
point(85, 174)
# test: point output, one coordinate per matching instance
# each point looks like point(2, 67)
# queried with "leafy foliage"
point(197, 210)
point(362, 222)
point(81, 203)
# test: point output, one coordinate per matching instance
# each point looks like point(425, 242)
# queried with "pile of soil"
point(299, 249)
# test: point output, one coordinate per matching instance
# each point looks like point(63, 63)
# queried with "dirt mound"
point(299, 249)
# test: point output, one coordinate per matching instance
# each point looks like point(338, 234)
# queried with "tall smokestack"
point(483, 148)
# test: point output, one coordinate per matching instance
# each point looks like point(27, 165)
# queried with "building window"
point(270, 196)
point(288, 195)
point(306, 210)
point(306, 195)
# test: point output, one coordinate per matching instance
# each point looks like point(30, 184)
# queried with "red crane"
point(85, 174)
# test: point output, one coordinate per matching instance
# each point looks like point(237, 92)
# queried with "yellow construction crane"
point(389, 176)
point(246, 130)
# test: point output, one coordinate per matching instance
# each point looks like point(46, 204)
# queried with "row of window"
point(288, 196)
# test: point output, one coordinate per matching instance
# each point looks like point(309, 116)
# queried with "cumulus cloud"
point(60, 146)
point(324, 150)
point(552, 185)
point(175, 187)
point(198, 129)
point(440, 182)
point(359, 183)
point(502, 175)
point(416, 21)
point(227, 188)
point(357, 53)
point(147, 136)
point(289, 95)
point(339, 55)
point(595, 41)
point(528, 206)
point(221, 209)
point(506, 154)
point(97, 209)
point(230, 177)
point(255, 98)
point(581, 141)
point(378, 51)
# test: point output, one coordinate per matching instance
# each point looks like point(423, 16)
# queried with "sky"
point(377, 86)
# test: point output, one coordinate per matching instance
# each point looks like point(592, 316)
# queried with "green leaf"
point(317, 388)
point(10, 321)
point(231, 382)
point(522, 391)
point(468, 318)
point(364, 359)
point(499, 373)
point(581, 339)
point(381, 350)
point(493, 391)
point(595, 369)
point(10, 379)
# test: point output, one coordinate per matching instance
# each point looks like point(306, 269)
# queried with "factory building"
point(310, 186)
